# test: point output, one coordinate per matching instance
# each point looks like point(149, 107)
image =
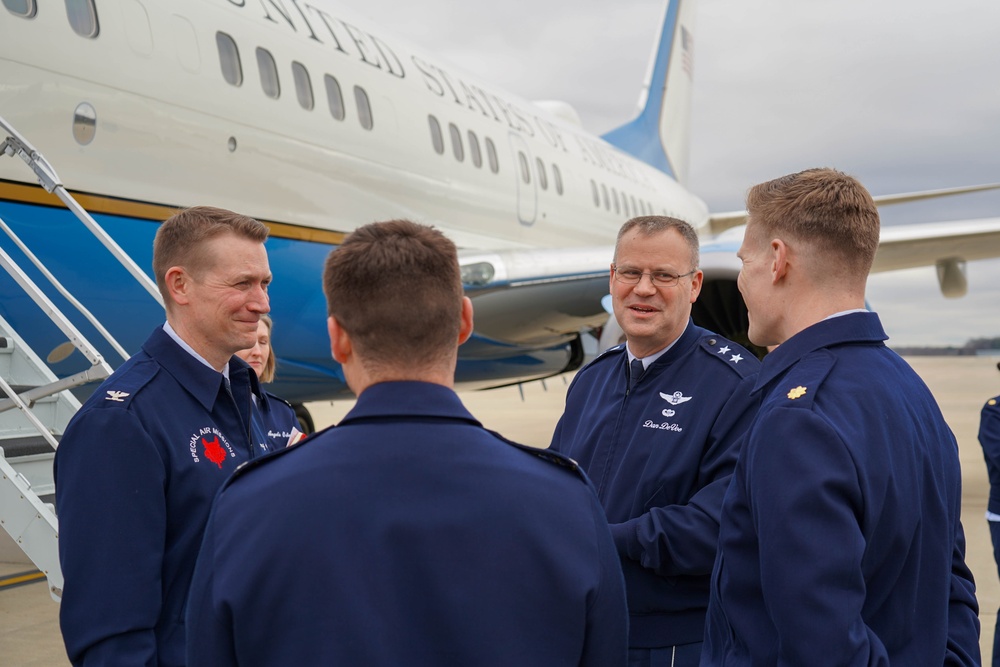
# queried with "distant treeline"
point(972, 347)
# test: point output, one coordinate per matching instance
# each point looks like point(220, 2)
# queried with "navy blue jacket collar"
point(409, 399)
point(202, 382)
point(851, 328)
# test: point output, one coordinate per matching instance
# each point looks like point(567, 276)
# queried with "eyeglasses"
point(658, 278)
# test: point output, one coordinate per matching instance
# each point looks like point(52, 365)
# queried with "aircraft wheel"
point(305, 419)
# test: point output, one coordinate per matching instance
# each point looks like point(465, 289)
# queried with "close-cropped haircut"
point(181, 238)
point(648, 225)
point(396, 289)
point(823, 207)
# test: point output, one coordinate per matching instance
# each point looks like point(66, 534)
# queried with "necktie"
point(635, 372)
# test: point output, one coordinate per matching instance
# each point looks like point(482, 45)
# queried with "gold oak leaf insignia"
point(798, 392)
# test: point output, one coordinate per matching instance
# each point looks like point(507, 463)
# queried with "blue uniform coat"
point(407, 535)
point(135, 475)
point(841, 542)
point(277, 421)
point(661, 457)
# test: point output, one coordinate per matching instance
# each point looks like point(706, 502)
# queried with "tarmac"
point(29, 624)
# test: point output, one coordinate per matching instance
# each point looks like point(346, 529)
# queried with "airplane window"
point(543, 178)
point(491, 154)
point(604, 191)
point(364, 108)
point(456, 142)
point(614, 197)
point(229, 58)
point(82, 17)
point(557, 179)
point(268, 73)
point(477, 157)
point(303, 86)
point(333, 97)
point(597, 195)
point(525, 174)
point(436, 137)
point(625, 204)
point(25, 8)
point(634, 207)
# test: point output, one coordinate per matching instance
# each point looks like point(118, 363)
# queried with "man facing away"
point(656, 423)
point(840, 542)
point(408, 534)
point(140, 462)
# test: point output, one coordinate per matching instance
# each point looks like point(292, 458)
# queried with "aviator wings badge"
point(675, 398)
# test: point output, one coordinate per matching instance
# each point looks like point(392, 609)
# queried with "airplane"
point(312, 119)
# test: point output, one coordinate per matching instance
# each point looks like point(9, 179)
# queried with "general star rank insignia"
point(798, 392)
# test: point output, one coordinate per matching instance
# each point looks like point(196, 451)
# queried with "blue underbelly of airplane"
point(305, 369)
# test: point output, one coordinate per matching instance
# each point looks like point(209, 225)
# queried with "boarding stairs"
point(36, 405)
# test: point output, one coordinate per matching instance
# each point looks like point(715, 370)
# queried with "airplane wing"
point(908, 246)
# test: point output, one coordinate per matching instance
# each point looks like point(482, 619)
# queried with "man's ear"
point(466, 329)
point(779, 260)
point(178, 284)
point(340, 341)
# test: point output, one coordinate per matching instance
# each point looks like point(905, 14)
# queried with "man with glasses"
point(656, 423)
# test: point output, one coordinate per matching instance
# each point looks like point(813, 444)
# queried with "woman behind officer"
point(279, 422)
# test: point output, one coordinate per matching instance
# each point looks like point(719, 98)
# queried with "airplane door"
point(527, 190)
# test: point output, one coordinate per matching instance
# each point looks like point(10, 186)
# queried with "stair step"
point(25, 446)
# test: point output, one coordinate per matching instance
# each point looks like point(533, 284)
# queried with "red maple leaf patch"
point(214, 452)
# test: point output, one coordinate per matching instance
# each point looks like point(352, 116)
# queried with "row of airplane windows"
point(475, 154)
point(82, 14)
point(639, 206)
point(232, 72)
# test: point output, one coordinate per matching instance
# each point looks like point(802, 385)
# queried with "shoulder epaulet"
point(802, 384)
point(119, 389)
point(993, 402)
point(546, 455)
point(279, 399)
point(610, 353)
point(733, 355)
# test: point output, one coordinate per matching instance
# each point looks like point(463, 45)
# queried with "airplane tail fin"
point(659, 135)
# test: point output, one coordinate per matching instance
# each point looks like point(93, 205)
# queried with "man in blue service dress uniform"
point(840, 542)
point(409, 534)
point(142, 459)
point(989, 438)
point(661, 452)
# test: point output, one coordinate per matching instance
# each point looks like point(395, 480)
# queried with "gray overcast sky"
point(903, 94)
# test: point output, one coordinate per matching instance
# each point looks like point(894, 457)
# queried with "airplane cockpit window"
point(614, 198)
point(543, 177)
point(25, 8)
point(634, 207)
point(229, 59)
point(436, 137)
point(456, 142)
point(474, 153)
point(491, 155)
point(364, 108)
point(303, 86)
point(268, 73)
point(82, 17)
point(525, 171)
point(557, 179)
point(597, 195)
point(625, 206)
point(334, 98)
point(607, 201)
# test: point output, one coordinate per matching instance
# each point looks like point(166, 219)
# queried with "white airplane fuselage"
point(161, 128)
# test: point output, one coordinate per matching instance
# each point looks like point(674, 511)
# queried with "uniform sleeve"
point(989, 433)
point(209, 633)
point(606, 642)
point(963, 611)
point(683, 539)
point(805, 501)
point(111, 503)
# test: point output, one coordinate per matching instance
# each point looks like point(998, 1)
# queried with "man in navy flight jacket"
point(841, 542)
point(409, 534)
point(656, 423)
